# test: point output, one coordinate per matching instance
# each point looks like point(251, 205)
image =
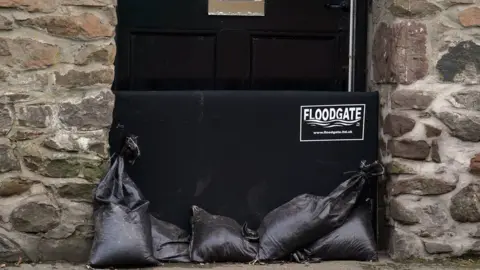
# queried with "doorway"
point(206, 94)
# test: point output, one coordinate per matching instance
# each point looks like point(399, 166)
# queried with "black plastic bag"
point(123, 236)
point(170, 243)
point(220, 239)
point(353, 241)
point(295, 224)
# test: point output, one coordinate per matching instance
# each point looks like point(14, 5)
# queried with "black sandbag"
point(220, 239)
point(293, 225)
point(353, 241)
point(123, 236)
point(170, 243)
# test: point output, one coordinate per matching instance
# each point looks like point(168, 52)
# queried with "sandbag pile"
point(308, 228)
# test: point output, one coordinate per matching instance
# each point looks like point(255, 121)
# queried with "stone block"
point(463, 125)
point(470, 17)
point(96, 54)
point(475, 164)
point(404, 245)
point(35, 217)
point(404, 210)
point(461, 63)
point(5, 23)
point(436, 152)
point(86, 26)
point(61, 165)
point(8, 160)
point(431, 131)
point(469, 100)
point(38, 116)
point(422, 185)
point(400, 52)
point(45, 6)
point(411, 8)
point(397, 125)
point(30, 54)
point(465, 205)
point(76, 78)
point(89, 3)
point(93, 112)
point(412, 99)
point(6, 120)
point(437, 247)
point(14, 186)
point(409, 149)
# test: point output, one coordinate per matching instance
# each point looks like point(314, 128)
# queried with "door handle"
point(339, 4)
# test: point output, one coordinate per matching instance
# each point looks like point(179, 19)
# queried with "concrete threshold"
point(382, 264)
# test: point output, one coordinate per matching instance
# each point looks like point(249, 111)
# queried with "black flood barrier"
point(126, 235)
point(354, 240)
point(293, 225)
point(242, 154)
point(220, 239)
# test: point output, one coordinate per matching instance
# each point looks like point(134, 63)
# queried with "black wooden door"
point(176, 45)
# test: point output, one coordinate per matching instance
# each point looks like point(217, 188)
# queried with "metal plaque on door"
point(236, 7)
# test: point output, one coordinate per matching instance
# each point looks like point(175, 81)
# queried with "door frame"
point(359, 11)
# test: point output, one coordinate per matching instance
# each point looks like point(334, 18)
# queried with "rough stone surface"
point(62, 166)
point(14, 186)
point(469, 100)
point(5, 23)
point(470, 17)
point(475, 164)
point(397, 125)
point(93, 142)
point(453, 66)
point(45, 6)
point(431, 131)
point(92, 112)
point(76, 191)
point(404, 245)
point(422, 185)
point(6, 120)
point(399, 53)
point(465, 205)
point(74, 249)
point(434, 220)
point(396, 166)
point(84, 27)
point(465, 126)
point(404, 211)
point(416, 150)
point(95, 54)
point(75, 78)
point(408, 8)
point(34, 115)
point(412, 99)
point(30, 54)
point(35, 218)
point(435, 152)
point(8, 160)
point(9, 251)
point(89, 3)
point(437, 247)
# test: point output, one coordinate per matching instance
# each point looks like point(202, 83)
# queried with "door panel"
point(176, 45)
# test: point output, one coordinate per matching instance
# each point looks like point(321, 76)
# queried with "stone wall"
point(56, 70)
point(425, 61)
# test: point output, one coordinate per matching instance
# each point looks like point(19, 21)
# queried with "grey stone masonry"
point(425, 63)
point(56, 71)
